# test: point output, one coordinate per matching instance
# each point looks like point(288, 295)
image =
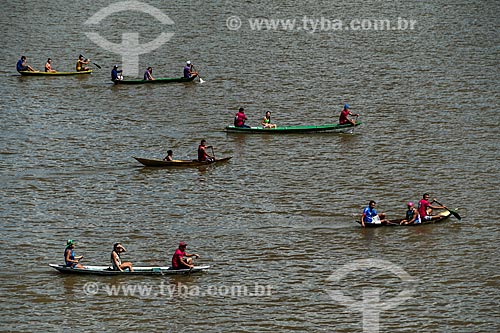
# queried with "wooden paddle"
point(93, 63)
point(454, 213)
point(199, 77)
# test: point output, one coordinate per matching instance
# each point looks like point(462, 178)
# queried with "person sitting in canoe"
point(203, 156)
point(189, 70)
point(344, 116)
point(69, 256)
point(266, 121)
point(181, 259)
point(80, 64)
point(22, 66)
point(370, 215)
point(48, 66)
point(412, 215)
point(169, 156)
point(239, 118)
point(115, 74)
point(116, 261)
point(425, 208)
point(148, 74)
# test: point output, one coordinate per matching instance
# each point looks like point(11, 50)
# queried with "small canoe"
point(157, 81)
point(443, 216)
point(106, 270)
point(292, 129)
point(178, 163)
point(28, 73)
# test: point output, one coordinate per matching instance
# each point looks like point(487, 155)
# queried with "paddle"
point(199, 77)
point(213, 153)
point(93, 63)
point(451, 211)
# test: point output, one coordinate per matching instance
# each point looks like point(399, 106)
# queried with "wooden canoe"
point(292, 129)
point(107, 270)
point(443, 216)
point(178, 163)
point(157, 81)
point(28, 73)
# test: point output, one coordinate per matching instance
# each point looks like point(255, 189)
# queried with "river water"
point(278, 219)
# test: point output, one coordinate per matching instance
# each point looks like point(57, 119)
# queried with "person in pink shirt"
point(425, 208)
point(181, 259)
point(239, 119)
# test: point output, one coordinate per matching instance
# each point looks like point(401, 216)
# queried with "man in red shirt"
point(202, 152)
point(425, 208)
point(344, 116)
point(239, 119)
point(179, 260)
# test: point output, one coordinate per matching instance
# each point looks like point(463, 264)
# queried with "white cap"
point(188, 62)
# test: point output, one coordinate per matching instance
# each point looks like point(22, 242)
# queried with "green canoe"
point(178, 163)
point(157, 81)
point(292, 129)
point(28, 73)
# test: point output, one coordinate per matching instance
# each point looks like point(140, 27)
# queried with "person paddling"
point(148, 74)
point(115, 74)
point(69, 256)
point(203, 156)
point(80, 64)
point(344, 116)
point(181, 259)
point(189, 71)
point(425, 208)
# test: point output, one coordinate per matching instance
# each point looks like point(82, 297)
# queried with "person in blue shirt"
point(370, 215)
point(148, 74)
point(69, 256)
point(22, 66)
point(114, 74)
point(189, 70)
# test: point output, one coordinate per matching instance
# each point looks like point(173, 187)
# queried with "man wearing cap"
point(412, 215)
point(115, 72)
point(181, 259)
point(188, 70)
point(69, 256)
point(344, 116)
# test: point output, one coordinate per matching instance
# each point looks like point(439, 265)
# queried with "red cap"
point(182, 244)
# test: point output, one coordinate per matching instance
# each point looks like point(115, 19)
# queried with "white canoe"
point(107, 270)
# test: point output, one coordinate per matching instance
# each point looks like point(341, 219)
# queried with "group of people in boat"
point(414, 215)
point(188, 72)
point(203, 154)
point(180, 259)
point(22, 65)
point(240, 118)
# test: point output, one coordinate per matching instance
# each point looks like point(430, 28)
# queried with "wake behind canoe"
point(178, 163)
point(106, 270)
point(157, 81)
point(292, 129)
point(28, 73)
